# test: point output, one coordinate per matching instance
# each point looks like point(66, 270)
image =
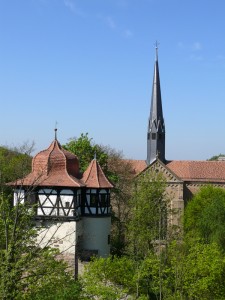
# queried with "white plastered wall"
point(61, 235)
point(95, 236)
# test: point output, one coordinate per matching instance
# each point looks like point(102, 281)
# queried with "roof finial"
point(156, 50)
point(95, 156)
point(56, 130)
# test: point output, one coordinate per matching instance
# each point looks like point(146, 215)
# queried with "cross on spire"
point(156, 50)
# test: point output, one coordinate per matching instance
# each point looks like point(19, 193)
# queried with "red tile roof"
point(53, 167)
point(94, 177)
point(137, 165)
point(57, 167)
point(204, 171)
point(207, 171)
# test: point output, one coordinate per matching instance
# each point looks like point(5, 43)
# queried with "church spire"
point(156, 127)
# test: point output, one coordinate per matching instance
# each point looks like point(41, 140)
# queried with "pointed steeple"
point(156, 126)
point(94, 176)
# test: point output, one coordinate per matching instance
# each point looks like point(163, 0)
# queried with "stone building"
point(184, 178)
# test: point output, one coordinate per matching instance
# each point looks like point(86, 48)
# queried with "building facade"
point(184, 178)
point(72, 209)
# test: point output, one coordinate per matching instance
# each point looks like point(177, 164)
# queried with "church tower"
point(156, 126)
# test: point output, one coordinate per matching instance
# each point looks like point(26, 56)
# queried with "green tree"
point(26, 270)
point(109, 278)
point(205, 216)
point(147, 228)
point(123, 178)
point(204, 267)
point(148, 222)
point(14, 163)
point(86, 150)
point(215, 157)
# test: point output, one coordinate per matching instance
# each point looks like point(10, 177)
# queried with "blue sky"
point(88, 64)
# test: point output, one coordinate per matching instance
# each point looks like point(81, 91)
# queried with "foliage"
point(14, 163)
point(204, 272)
point(183, 271)
point(192, 267)
point(108, 278)
point(205, 216)
point(190, 271)
point(148, 222)
point(27, 271)
point(120, 195)
point(215, 157)
point(86, 150)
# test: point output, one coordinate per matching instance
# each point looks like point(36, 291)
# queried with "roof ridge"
point(65, 165)
point(98, 168)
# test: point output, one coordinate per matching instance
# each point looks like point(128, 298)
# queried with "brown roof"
point(189, 170)
point(53, 167)
point(94, 177)
point(137, 165)
point(207, 171)
point(57, 167)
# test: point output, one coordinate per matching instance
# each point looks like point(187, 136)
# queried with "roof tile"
point(94, 177)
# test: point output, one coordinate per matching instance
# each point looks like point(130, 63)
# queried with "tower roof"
point(156, 113)
point(53, 167)
point(156, 126)
point(56, 166)
point(94, 177)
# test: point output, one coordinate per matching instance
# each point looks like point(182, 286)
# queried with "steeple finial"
point(156, 50)
point(56, 130)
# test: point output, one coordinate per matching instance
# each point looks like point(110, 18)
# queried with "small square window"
point(67, 204)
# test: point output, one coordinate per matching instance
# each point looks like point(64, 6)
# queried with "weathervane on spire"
point(56, 130)
point(156, 50)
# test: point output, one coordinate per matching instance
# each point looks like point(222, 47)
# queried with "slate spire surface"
point(156, 126)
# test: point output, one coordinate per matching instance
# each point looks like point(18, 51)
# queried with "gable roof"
point(206, 171)
point(189, 170)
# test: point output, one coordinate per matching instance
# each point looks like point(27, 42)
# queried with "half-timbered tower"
point(73, 209)
point(96, 213)
point(156, 126)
